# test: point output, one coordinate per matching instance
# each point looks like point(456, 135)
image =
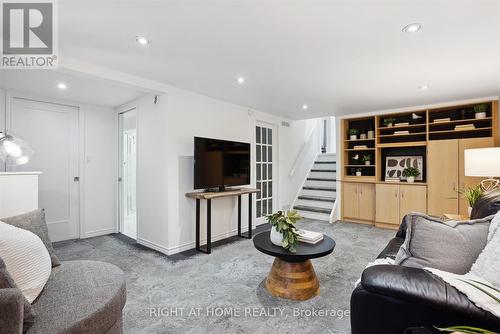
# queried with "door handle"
point(76, 179)
point(119, 179)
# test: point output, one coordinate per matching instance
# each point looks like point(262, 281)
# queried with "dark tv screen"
point(220, 163)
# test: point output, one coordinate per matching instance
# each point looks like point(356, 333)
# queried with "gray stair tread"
point(325, 162)
point(311, 209)
point(317, 198)
point(319, 188)
point(324, 170)
point(320, 179)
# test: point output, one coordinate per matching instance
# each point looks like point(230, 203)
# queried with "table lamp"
point(484, 162)
point(14, 150)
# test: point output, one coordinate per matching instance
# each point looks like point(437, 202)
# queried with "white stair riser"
point(326, 175)
point(329, 184)
point(326, 157)
point(325, 166)
point(315, 204)
point(308, 192)
point(314, 215)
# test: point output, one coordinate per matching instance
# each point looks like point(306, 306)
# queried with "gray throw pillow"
point(34, 222)
point(6, 282)
point(451, 246)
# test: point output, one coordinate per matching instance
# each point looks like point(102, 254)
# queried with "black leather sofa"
point(394, 299)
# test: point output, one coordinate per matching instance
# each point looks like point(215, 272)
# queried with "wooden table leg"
point(292, 280)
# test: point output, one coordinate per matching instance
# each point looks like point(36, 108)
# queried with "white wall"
point(165, 217)
point(97, 126)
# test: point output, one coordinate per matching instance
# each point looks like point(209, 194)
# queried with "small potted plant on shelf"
point(411, 173)
point(471, 194)
point(367, 158)
point(283, 231)
point(480, 110)
point(353, 134)
point(389, 122)
point(358, 172)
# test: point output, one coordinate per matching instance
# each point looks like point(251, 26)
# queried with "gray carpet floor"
point(223, 292)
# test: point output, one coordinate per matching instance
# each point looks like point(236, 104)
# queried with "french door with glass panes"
point(265, 141)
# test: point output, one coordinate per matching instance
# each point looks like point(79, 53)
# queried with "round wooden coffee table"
point(292, 275)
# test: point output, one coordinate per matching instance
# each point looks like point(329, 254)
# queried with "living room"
point(249, 167)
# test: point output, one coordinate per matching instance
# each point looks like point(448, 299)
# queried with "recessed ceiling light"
point(142, 40)
point(62, 86)
point(424, 87)
point(411, 28)
point(305, 106)
point(241, 80)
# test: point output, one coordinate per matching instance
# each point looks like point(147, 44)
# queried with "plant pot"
point(371, 134)
point(358, 173)
point(480, 115)
point(390, 125)
point(276, 237)
point(353, 137)
point(362, 136)
point(367, 163)
point(469, 210)
point(410, 179)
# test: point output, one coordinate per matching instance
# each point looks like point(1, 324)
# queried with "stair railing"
point(303, 148)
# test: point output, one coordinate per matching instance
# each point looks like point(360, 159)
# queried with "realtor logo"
point(28, 35)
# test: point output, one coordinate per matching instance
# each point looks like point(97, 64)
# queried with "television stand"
point(208, 196)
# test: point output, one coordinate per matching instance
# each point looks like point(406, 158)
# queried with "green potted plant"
point(389, 122)
point(353, 134)
point(471, 194)
point(480, 110)
point(411, 173)
point(367, 158)
point(283, 232)
point(358, 172)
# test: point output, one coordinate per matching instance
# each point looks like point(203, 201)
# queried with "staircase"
point(318, 193)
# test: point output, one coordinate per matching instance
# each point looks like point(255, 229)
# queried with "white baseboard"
point(98, 233)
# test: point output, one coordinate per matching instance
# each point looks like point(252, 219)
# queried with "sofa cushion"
point(80, 297)
point(6, 282)
point(34, 222)
point(25, 258)
point(451, 246)
point(392, 248)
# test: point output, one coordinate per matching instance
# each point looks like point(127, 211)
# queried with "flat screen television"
point(220, 163)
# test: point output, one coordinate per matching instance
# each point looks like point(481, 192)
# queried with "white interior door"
point(128, 172)
point(266, 170)
point(52, 130)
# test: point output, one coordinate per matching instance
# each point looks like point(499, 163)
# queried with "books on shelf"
point(402, 124)
point(309, 237)
point(442, 120)
point(392, 179)
point(403, 132)
point(463, 127)
point(360, 147)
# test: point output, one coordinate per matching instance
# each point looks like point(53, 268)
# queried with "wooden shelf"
point(459, 131)
point(384, 128)
point(356, 140)
point(459, 121)
point(403, 144)
point(403, 135)
point(360, 149)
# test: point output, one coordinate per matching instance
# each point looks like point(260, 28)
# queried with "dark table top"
point(305, 251)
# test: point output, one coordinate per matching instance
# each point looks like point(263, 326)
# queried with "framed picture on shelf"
point(394, 166)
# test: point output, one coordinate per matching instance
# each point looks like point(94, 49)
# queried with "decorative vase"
point(390, 125)
point(276, 237)
point(481, 115)
point(367, 163)
point(410, 179)
point(469, 210)
point(353, 137)
point(371, 134)
point(358, 173)
point(362, 136)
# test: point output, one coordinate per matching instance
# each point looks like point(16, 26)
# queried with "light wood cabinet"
point(394, 201)
point(442, 177)
point(359, 201)
point(446, 174)
point(387, 211)
point(467, 181)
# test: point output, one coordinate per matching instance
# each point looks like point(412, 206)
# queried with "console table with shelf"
point(436, 134)
point(208, 196)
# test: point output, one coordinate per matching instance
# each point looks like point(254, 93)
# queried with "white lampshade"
point(483, 162)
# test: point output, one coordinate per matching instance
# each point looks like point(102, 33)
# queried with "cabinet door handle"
point(396, 194)
point(402, 194)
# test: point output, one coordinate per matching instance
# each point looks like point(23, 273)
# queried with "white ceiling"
point(336, 56)
point(79, 89)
